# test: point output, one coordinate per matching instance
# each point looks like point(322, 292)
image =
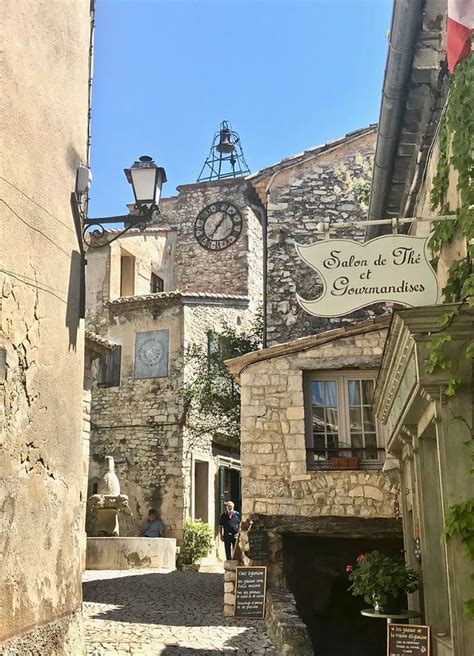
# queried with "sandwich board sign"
point(408, 640)
point(387, 269)
point(250, 592)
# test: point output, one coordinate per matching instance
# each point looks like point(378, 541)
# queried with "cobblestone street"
point(147, 612)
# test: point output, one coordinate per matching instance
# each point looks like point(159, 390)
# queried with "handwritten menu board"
point(408, 640)
point(250, 592)
point(258, 544)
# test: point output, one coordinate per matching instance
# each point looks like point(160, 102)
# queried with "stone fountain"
point(108, 502)
point(110, 551)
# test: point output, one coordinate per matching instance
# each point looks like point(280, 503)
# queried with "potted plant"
point(197, 542)
point(382, 580)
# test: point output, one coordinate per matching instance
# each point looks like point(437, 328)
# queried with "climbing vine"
point(211, 398)
point(456, 153)
point(456, 145)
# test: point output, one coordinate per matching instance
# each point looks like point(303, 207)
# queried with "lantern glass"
point(146, 179)
point(143, 182)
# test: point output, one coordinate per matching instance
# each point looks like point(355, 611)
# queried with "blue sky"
point(288, 74)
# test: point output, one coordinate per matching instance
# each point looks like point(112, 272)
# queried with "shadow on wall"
point(75, 296)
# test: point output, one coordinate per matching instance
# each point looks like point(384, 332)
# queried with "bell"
point(225, 144)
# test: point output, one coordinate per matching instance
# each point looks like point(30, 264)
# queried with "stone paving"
point(151, 612)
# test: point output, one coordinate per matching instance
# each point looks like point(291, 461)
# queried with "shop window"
point(109, 368)
point(156, 284)
point(341, 430)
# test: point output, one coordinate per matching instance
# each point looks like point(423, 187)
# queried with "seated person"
point(151, 527)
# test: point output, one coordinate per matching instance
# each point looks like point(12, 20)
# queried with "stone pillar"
point(230, 576)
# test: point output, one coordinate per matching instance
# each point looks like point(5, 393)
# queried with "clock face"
point(218, 226)
point(151, 352)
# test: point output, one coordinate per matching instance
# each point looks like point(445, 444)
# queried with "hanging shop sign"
point(388, 269)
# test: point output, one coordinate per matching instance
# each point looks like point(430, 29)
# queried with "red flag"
point(459, 29)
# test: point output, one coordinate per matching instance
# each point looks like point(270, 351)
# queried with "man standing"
point(229, 523)
point(151, 527)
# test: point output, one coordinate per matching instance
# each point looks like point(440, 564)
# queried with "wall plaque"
point(152, 354)
point(391, 269)
point(250, 589)
point(408, 640)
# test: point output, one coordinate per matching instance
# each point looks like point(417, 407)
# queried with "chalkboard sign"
point(250, 592)
point(408, 640)
point(258, 544)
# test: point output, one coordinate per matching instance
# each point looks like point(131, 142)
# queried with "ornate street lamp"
point(146, 179)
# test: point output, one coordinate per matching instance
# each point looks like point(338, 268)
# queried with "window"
point(156, 284)
point(340, 420)
point(109, 368)
point(127, 274)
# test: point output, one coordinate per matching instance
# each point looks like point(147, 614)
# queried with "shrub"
point(197, 541)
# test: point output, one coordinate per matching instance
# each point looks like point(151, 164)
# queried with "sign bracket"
point(394, 222)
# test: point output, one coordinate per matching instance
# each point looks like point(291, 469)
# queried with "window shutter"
point(115, 362)
point(109, 368)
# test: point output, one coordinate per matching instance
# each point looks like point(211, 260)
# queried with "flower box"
point(348, 462)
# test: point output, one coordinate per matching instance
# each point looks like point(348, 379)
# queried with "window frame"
point(154, 278)
point(344, 435)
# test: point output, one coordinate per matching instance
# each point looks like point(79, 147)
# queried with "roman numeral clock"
point(218, 226)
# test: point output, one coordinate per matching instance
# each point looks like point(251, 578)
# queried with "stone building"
point(427, 431)
point(326, 183)
point(312, 454)
point(45, 104)
point(312, 480)
point(155, 295)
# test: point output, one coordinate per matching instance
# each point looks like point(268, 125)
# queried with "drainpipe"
point(407, 16)
point(263, 219)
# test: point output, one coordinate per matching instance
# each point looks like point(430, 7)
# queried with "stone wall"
point(45, 101)
point(273, 450)
point(141, 421)
point(153, 253)
point(286, 628)
point(235, 270)
point(299, 196)
point(138, 422)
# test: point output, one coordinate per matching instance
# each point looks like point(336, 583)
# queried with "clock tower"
point(215, 242)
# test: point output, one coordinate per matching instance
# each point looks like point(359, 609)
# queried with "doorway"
point(230, 487)
point(201, 490)
point(315, 570)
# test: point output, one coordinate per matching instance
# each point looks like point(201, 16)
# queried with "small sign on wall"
point(408, 640)
point(390, 269)
point(152, 354)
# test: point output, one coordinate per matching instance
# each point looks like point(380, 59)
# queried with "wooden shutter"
point(109, 368)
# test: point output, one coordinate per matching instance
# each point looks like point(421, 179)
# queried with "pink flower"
point(360, 558)
point(348, 568)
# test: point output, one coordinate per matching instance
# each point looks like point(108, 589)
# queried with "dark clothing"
point(230, 527)
point(229, 544)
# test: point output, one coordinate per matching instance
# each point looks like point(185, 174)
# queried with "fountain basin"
point(131, 553)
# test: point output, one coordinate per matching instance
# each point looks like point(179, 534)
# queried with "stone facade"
point(45, 103)
point(327, 183)
point(141, 421)
point(427, 431)
point(234, 270)
point(276, 480)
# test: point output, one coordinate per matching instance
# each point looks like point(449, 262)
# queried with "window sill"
point(327, 467)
